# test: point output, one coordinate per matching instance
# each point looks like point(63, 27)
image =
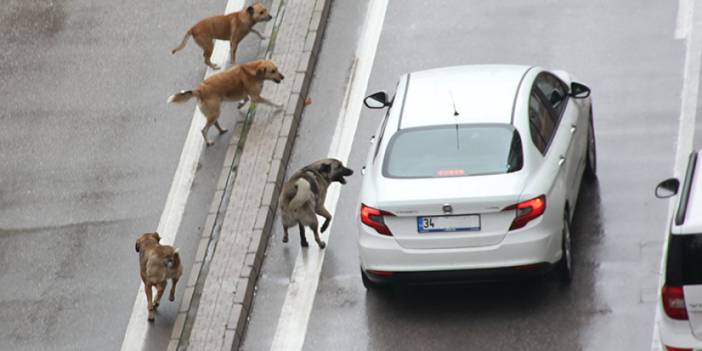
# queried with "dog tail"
point(182, 43)
point(302, 196)
point(182, 96)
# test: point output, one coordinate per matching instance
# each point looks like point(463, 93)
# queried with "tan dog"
point(233, 27)
point(302, 197)
point(157, 264)
point(238, 83)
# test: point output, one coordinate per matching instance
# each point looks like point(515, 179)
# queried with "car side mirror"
point(377, 100)
point(579, 91)
point(667, 188)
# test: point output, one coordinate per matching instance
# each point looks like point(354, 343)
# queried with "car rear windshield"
point(453, 150)
point(684, 265)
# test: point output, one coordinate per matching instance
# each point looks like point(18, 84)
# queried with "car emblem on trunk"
point(447, 208)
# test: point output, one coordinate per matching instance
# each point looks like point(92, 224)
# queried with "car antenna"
point(455, 113)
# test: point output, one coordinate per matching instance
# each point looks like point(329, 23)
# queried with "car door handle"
point(363, 170)
point(561, 161)
point(372, 139)
point(572, 128)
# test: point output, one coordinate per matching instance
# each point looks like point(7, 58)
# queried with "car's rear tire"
point(369, 284)
point(564, 267)
point(591, 160)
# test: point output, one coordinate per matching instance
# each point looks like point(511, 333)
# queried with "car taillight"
point(527, 211)
point(674, 302)
point(670, 348)
point(373, 218)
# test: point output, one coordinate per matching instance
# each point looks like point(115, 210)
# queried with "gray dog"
point(302, 197)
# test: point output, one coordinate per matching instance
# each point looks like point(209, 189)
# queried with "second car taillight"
point(673, 299)
point(527, 211)
point(373, 218)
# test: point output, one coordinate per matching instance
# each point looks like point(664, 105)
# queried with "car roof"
point(481, 93)
point(693, 215)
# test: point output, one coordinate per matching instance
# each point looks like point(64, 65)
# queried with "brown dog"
point(302, 197)
point(238, 83)
point(233, 27)
point(157, 264)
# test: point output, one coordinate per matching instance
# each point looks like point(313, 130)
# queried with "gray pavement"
point(88, 148)
point(626, 52)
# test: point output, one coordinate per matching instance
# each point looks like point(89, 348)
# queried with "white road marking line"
point(686, 126)
point(294, 317)
point(682, 27)
point(172, 215)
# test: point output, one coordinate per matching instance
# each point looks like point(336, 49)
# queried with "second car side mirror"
point(579, 91)
point(377, 100)
point(667, 188)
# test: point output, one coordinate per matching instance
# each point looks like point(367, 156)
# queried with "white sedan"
point(473, 174)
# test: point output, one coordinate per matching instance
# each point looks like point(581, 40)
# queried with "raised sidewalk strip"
point(220, 289)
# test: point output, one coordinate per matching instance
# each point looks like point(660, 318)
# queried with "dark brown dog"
point(157, 264)
point(238, 83)
point(233, 27)
point(302, 197)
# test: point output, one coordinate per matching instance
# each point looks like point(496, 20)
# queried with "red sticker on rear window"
point(450, 172)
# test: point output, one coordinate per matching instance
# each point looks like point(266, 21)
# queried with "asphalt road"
point(88, 148)
point(625, 51)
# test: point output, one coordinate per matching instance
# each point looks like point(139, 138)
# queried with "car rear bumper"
point(517, 250)
point(460, 276)
point(676, 333)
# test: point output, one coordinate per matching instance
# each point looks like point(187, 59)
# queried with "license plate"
point(432, 224)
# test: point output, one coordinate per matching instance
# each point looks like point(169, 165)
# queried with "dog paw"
point(321, 244)
point(156, 305)
point(304, 244)
point(209, 143)
point(285, 240)
point(223, 131)
point(151, 319)
point(171, 298)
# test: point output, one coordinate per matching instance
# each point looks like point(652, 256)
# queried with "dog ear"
point(249, 69)
point(260, 72)
point(324, 168)
point(250, 10)
point(137, 246)
point(158, 237)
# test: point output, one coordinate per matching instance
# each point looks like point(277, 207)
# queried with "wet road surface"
point(626, 53)
point(88, 148)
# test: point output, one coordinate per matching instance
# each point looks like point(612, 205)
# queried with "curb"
point(244, 284)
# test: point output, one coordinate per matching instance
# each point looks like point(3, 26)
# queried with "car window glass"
point(684, 260)
point(541, 123)
point(453, 150)
point(554, 90)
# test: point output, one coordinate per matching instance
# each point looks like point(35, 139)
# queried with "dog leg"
point(149, 301)
point(303, 240)
point(327, 217)
point(171, 296)
point(260, 36)
point(285, 234)
point(210, 108)
point(204, 134)
point(207, 45)
point(319, 241)
point(159, 293)
point(221, 130)
point(242, 103)
point(262, 100)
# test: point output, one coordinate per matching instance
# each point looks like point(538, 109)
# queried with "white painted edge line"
point(172, 215)
point(294, 317)
point(686, 129)
point(684, 19)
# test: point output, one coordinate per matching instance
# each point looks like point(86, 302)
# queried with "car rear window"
point(453, 150)
point(684, 260)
